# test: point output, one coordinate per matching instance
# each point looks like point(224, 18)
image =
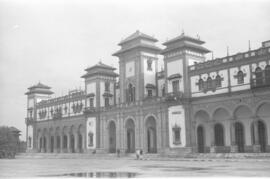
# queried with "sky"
point(53, 41)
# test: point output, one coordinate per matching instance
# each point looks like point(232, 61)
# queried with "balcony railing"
point(57, 115)
point(174, 96)
point(260, 82)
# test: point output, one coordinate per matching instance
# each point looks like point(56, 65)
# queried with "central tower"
point(137, 67)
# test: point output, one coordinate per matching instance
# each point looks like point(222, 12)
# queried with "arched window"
point(209, 83)
point(267, 74)
point(218, 81)
point(200, 83)
point(259, 76)
point(240, 77)
point(130, 93)
point(219, 135)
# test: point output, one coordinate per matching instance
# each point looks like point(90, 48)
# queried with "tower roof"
point(100, 69)
point(137, 35)
point(184, 37)
point(40, 89)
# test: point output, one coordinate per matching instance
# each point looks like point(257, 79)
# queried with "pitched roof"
point(187, 45)
point(100, 65)
point(39, 88)
point(136, 35)
point(184, 37)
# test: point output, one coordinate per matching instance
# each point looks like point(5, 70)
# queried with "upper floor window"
point(107, 86)
point(218, 81)
point(209, 82)
point(130, 93)
point(107, 102)
point(267, 74)
point(91, 102)
point(259, 76)
point(240, 77)
point(149, 65)
point(175, 85)
point(149, 93)
point(200, 83)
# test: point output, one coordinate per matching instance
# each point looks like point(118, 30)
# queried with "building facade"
point(193, 105)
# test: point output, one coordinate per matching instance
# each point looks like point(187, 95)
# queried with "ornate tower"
point(180, 52)
point(100, 82)
point(137, 67)
point(34, 94)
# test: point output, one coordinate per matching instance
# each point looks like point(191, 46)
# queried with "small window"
point(149, 65)
point(91, 102)
point(107, 86)
point(90, 139)
point(149, 93)
point(240, 77)
point(177, 135)
point(175, 85)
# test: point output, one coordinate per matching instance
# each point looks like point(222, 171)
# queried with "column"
point(61, 143)
point(234, 147)
point(212, 138)
point(256, 145)
point(55, 144)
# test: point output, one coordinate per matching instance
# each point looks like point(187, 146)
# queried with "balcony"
point(260, 83)
point(29, 120)
point(57, 115)
point(174, 96)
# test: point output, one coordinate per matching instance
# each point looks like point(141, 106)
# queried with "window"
point(107, 86)
point(149, 65)
point(259, 76)
point(66, 109)
point(218, 81)
point(200, 83)
point(163, 91)
point(130, 93)
point(209, 83)
point(107, 102)
point(175, 85)
point(177, 135)
point(219, 136)
point(149, 93)
point(240, 77)
point(267, 74)
point(91, 102)
point(90, 139)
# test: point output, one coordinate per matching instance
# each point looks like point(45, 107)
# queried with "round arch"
point(151, 134)
point(262, 110)
point(221, 114)
point(130, 135)
point(242, 112)
point(201, 116)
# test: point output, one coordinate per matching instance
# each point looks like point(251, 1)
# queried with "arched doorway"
point(151, 135)
point(200, 139)
point(261, 135)
point(80, 141)
point(239, 136)
point(40, 144)
point(130, 134)
point(72, 143)
point(45, 144)
point(112, 137)
point(219, 135)
point(52, 144)
point(58, 141)
point(65, 140)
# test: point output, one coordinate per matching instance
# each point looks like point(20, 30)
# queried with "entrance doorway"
point(151, 135)
point(52, 144)
point(80, 142)
point(130, 134)
point(262, 135)
point(72, 143)
point(200, 139)
point(239, 136)
point(112, 137)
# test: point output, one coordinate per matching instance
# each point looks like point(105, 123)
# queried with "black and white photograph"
point(134, 88)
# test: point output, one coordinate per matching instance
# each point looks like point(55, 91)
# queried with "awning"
point(174, 76)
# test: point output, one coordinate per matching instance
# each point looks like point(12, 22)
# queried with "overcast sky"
point(54, 41)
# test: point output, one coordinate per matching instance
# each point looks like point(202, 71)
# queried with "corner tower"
point(34, 94)
point(137, 66)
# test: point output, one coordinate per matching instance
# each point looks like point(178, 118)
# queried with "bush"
point(8, 143)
